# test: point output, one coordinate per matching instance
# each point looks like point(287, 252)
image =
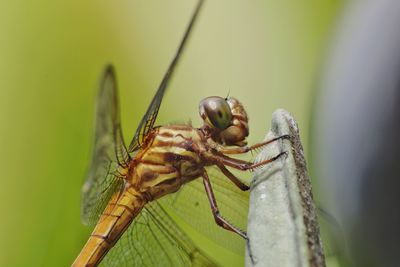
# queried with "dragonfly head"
point(225, 119)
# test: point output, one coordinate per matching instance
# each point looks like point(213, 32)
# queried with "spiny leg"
point(214, 208)
point(242, 186)
point(245, 149)
point(241, 164)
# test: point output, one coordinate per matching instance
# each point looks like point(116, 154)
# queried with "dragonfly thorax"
point(225, 119)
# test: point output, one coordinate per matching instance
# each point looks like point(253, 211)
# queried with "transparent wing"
point(191, 204)
point(153, 239)
point(109, 152)
point(149, 118)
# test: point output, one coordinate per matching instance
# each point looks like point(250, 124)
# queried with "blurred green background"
point(265, 53)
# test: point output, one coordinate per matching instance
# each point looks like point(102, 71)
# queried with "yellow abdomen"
point(117, 216)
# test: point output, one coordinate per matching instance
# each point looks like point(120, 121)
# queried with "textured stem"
point(283, 229)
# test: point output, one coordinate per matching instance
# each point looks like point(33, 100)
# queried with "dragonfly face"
point(225, 119)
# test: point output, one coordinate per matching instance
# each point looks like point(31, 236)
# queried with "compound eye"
point(217, 111)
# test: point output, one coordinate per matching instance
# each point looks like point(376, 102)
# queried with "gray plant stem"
point(282, 226)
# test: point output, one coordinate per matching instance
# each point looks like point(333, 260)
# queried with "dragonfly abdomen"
point(117, 216)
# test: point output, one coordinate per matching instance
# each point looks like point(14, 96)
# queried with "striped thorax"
point(171, 156)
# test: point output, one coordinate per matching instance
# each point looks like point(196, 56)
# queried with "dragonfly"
point(128, 189)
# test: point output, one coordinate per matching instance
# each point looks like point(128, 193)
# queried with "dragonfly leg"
point(233, 178)
point(245, 149)
point(214, 208)
point(241, 164)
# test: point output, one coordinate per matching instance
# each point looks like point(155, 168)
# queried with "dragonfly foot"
point(249, 252)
